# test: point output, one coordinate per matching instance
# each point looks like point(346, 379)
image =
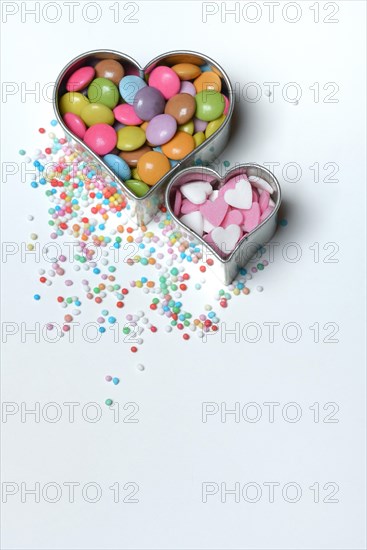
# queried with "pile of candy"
point(226, 215)
point(142, 128)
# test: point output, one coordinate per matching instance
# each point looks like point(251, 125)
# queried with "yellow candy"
point(189, 127)
point(135, 174)
point(214, 125)
point(73, 102)
point(130, 138)
point(97, 113)
point(199, 138)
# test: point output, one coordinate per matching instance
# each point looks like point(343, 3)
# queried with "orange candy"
point(186, 71)
point(153, 166)
point(179, 146)
point(208, 81)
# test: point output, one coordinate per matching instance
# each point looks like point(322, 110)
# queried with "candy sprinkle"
point(169, 268)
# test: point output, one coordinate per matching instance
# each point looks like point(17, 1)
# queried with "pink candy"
point(165, 80)
point(75, 124)
point(222, 218)
point(80, 79)
point(101, 138)
point(125, 114)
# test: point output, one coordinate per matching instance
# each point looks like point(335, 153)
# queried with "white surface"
point(170, 452)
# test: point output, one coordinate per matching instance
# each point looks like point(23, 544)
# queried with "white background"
point(170, 452)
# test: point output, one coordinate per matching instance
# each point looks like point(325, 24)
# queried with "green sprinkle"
point(108, 402)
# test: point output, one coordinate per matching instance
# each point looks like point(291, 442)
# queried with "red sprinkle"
point(186, 336)
point(134, 349)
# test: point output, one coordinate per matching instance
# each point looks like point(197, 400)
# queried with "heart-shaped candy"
point(260, 183)
point(264, 201)
point(196, 192)
point(187, 207)
point(233, 217)
point(226, 238)
point(178, 202)
point(241, 196)
point(194, 221)
point(240, 232)
point(214, 211)
point(251, 217)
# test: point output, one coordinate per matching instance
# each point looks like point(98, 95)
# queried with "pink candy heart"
point(234, 216)
point(251, 217)
point(187, 207)
point(264, 201)
point(266, 213)
point(214, 211)
point(178, 202)
point(226, 215)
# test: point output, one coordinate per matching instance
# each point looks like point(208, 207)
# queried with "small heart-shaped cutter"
point(142, 209)
point(226, 268)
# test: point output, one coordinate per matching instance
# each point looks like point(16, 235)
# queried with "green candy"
point(209, 105)
point(138, 187)
point(102, 90)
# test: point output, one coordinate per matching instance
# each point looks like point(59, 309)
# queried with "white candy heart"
point(197, 191)
point(226, 239)
point(260, 183)
point(208, 227)
point(194, 221)
point(214, 196)
point(240, 196)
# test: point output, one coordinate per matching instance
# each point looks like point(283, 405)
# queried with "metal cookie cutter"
point(142, 209)
point(226, 268)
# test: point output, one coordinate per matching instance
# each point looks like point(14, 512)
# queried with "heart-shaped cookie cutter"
point(142, 209)
point(227, 268)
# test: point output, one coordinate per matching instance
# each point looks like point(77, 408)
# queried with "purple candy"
point(187, 88)
point(200, 125)
point(148, 103)
point(161, 129)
